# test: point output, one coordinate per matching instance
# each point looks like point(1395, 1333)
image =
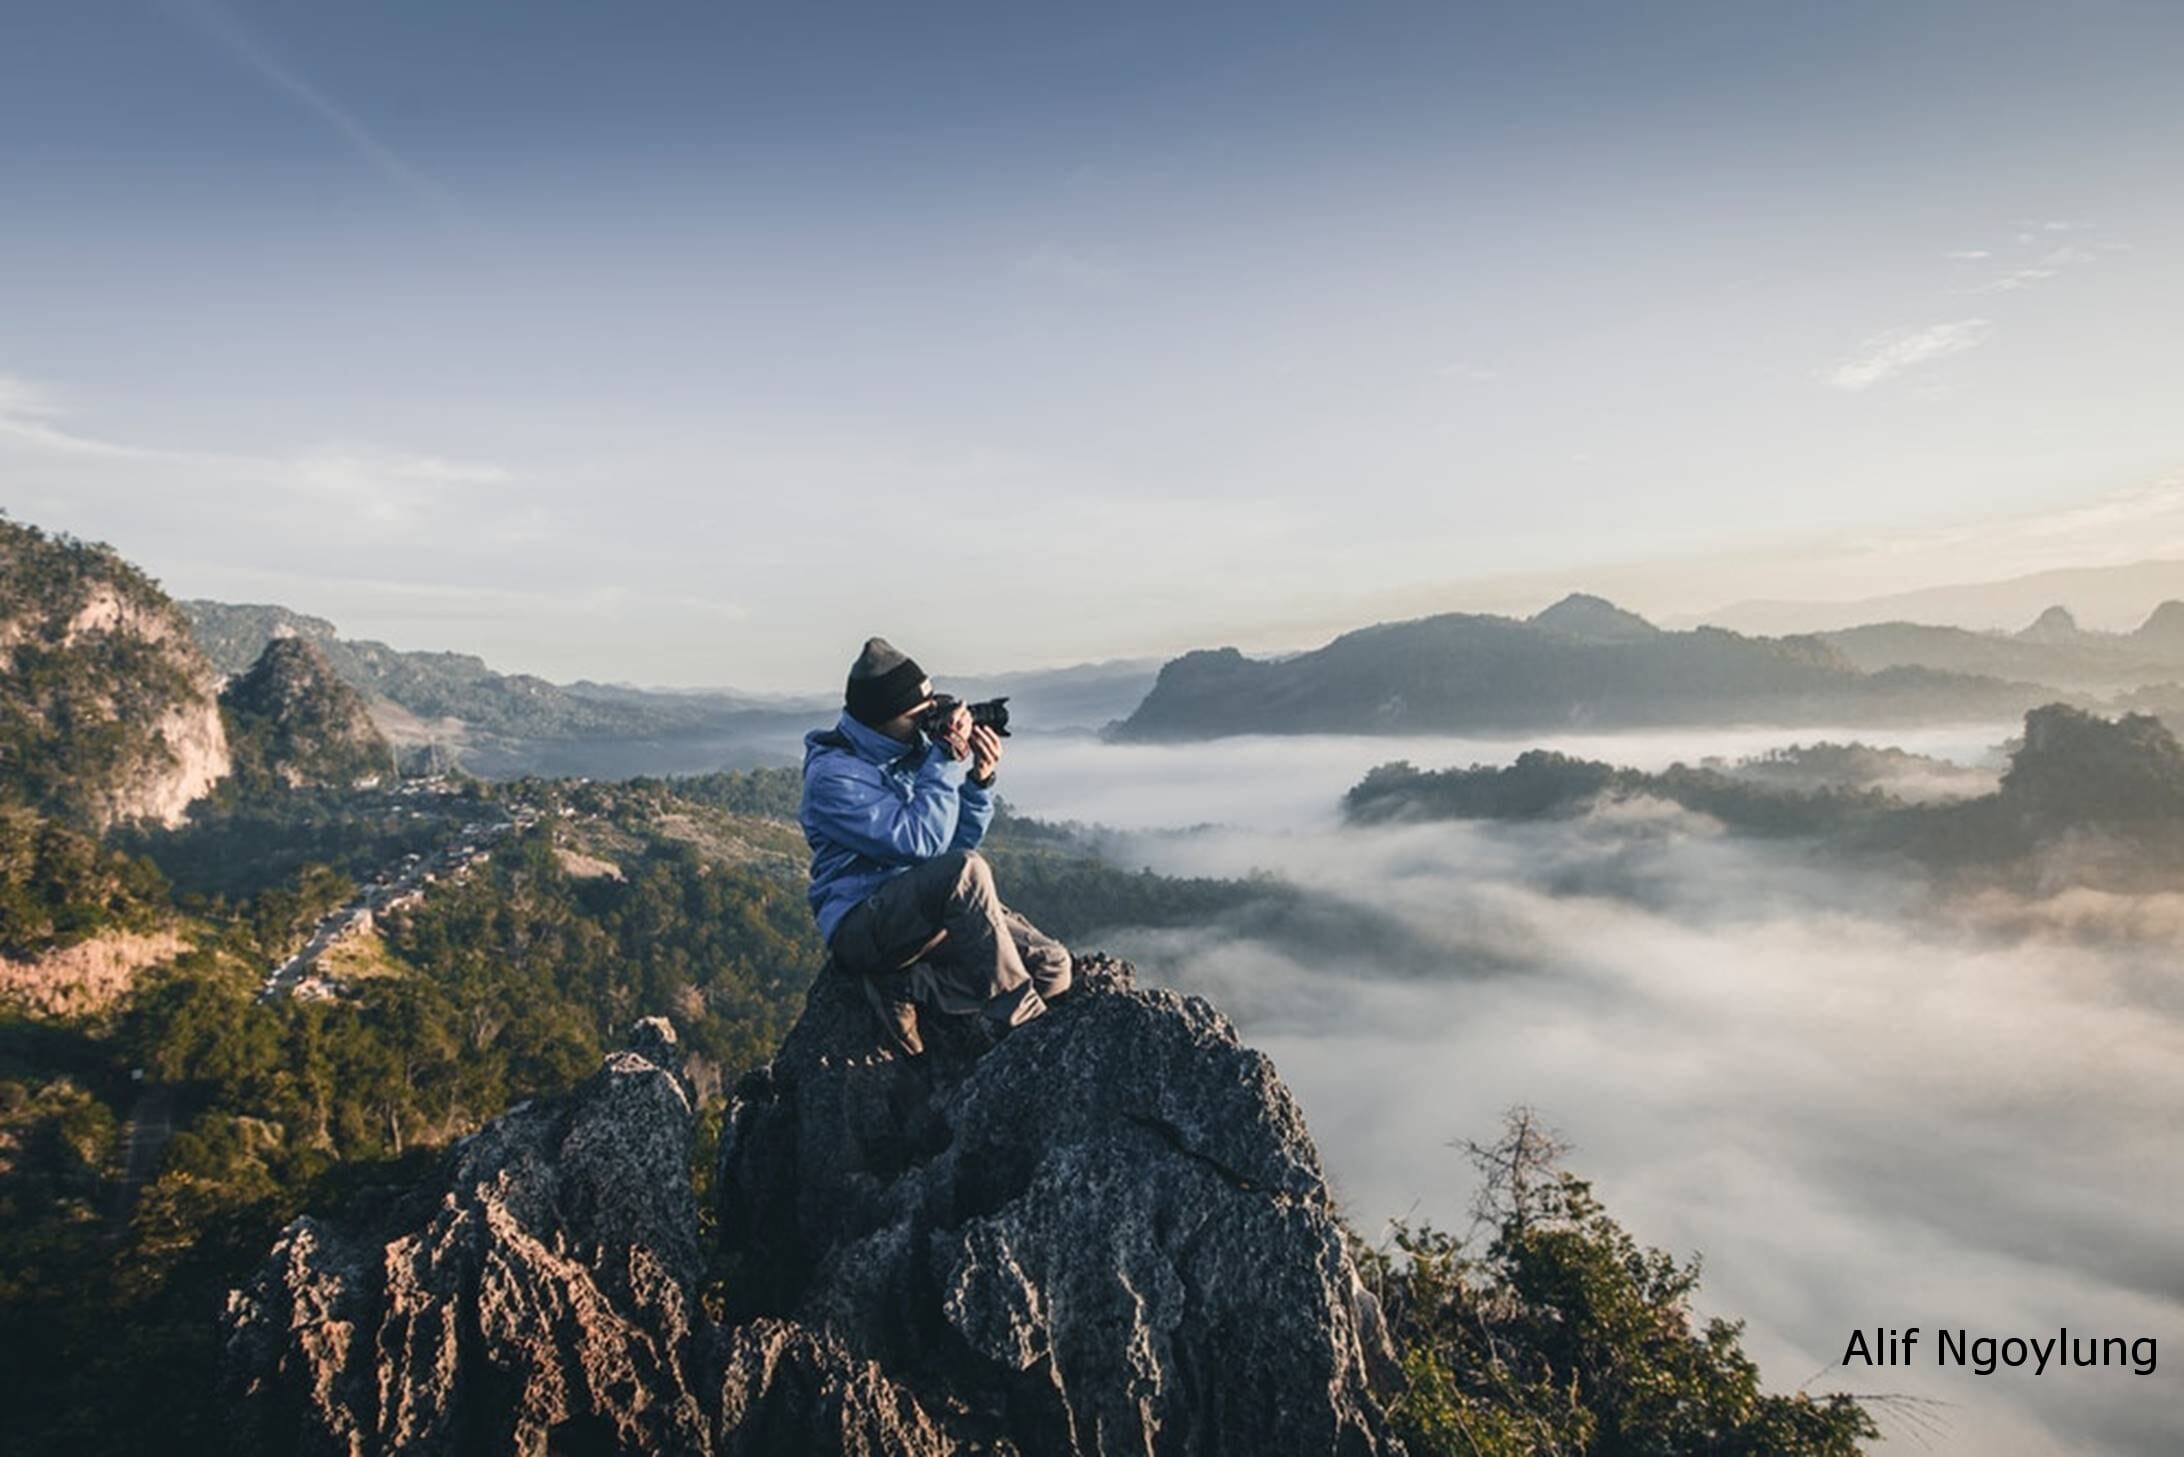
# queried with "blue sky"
point(691, 344)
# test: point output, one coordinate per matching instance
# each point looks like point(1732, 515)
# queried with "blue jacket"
point(874, 807)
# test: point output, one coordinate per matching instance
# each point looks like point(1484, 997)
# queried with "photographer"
point(896, 799)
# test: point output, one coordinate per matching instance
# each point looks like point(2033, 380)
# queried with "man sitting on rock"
point(905, 901)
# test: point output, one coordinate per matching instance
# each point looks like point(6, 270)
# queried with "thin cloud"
point(2045, 267)
point(2044, 253)
point(21, 398)
point(374, 485)
point(1884, 357)
point(231, 36)
point(392, 491)
point(407, 598)
point(2016, 279)
point(52, 440)
point(27, 414)
point(2126, 523)
point(2133, 524)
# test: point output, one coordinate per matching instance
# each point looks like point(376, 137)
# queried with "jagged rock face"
point(107, 709)
point(1107, 1234)
point(298, 724)
point(540, 1299)
point(788, 1389)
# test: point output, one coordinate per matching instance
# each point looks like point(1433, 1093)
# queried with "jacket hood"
point(867, 743)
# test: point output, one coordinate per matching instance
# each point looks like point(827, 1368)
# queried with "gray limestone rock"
point(541, 1298)
point(1108, 1233)
point(1104, 1233)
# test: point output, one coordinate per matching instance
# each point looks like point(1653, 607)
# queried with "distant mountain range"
point(437, 687)
point(2104, 596)
point(2051, 649)
point(456, 708)
point(1583, 662)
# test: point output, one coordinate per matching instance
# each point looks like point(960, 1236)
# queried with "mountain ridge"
point(2107, 596)
point(453, 707)
point(1458, 672)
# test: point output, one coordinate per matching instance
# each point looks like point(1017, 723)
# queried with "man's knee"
point(1052, 972)
point(965, 871)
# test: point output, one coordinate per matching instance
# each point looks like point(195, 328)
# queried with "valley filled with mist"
point(1867, 1099)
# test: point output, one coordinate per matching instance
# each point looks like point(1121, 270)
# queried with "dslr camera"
point(993, 714)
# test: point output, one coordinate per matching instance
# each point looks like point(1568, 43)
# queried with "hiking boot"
point(898, 1017)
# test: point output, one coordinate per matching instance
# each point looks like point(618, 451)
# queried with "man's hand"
point(954, 737)
point(985, 753)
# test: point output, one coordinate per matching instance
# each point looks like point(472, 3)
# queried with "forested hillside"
point(107, 708)
point(293, 723)
point(2111, 790)
point(147, 1153)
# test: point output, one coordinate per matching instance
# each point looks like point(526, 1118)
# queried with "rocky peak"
point(297, 723)
point(1106, 1232)
point(1109, 1233)
point(2164, 627)
point(2055, 625)
point(289, 672)
point(539, 1296)
point(1593, 619)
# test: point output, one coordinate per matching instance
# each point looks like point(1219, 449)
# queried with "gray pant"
point(941, 928)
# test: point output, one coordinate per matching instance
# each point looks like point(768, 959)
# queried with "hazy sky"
point(690, 344)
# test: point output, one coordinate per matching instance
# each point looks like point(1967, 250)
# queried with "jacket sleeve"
point(862, 811)
point(971, 820)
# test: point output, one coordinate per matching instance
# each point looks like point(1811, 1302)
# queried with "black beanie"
point(883, 683)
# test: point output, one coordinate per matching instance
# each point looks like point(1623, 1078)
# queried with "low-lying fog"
point(1864, 1111)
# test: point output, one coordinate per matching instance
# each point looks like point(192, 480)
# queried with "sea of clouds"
point(1866, 1105)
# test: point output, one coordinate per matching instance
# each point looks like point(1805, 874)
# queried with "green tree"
point(1567, 1338)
